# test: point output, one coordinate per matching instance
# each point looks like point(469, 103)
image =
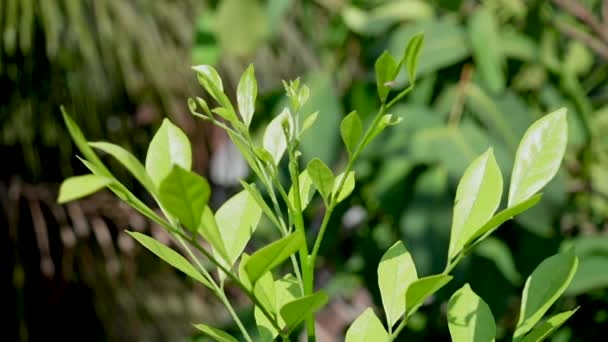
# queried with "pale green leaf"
point(286, 290)
point(170, 256)
point(210, 231)
point(366, 328)
point(309, 121)
point(322, 177)
point(246, 94)
point(538, 156)
point(469, 317)
point(275, 141)
point(237, 219)
point(543, 287)
point(548, 327)
point(272, 255)
point(351, 130)
point(257, 196)
point(81, 143)
point(477, 198)
point(77, 187)
point(184, 194)
point(296, 311)
point(412, 54)
point(129, 162)
point(170, 146)
point(385, 72)
point(307, 190)
point(420, 290)
point(216, 334)
point(396, 272)
point(347, 187)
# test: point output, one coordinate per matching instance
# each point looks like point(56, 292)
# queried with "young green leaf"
point(321, 177)
point(396, 272)
point(469, 317)
point(237, 219)
point(170, 256)
point(286, 290)
point(272, 255)
point(421, 289)
point(296, 311)
point(366, 328)
point(170, 146)
point(543, 287)
point(184, 194)
point(275, 141)
point(81, 143)
point(309, 122)
point(77, 187)
point(351, 130)
point(548, 327)
point(129, 162)
point(246, 93)
point(214, 333)
point(411, 56)
point(307, 190)
point(347, 187)
point(209, 231)
point(211, 81)
point(477, 198)
point(386, 67)
point(538, 156)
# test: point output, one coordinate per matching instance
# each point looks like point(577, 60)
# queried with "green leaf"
point(170, 256)
point(129, 162)
point(296, 311)
point(246, 93)
point(544, 330)
point(366, 328)
point(272, 255)
point(543, 287)
point(421, 289)
point(309, 121)
point(412, 55)
point(257, 196)
point(216, 334)
point(347, 187)
point(351, 130)
point(486, 45)
point(80, 186)
point(81, 142)
point(505, 215)
point(211, 81)
point(469, 317)
point(286, 289)
point(170, 146)
point(321, 176)
point(386, 67)
point(209, 231)
point(275, 141)
point(306, 190)
point(396, 272)
point(538, 156)
point(477, 198)
point(237, 219)
point(184, 194)
point(385, 121)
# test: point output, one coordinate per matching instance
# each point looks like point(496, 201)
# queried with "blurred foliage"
point(489, 68)
point(487, 71)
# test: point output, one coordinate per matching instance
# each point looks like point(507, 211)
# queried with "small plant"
point(283, 302)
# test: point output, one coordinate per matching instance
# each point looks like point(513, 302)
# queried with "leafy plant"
point(284, 301)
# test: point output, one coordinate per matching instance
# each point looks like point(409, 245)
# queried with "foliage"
point(183, 198)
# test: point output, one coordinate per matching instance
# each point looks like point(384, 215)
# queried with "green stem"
point(218, 291)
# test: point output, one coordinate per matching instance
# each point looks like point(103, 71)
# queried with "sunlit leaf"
point(216, 334)
point(297, 311)
point(77, 187)
point(347, 187)
point(351, 130)
point(366, 328)
point(275, 141)
point(170, 146)
point(396, 272)
point(477, 198)
point(538, 156)
point(307, 190)
point(469, 317)
point(548, 327)
point(272, 255)
point(385, 73)
point(420, 290)
point(321, 176)
point(246, 94)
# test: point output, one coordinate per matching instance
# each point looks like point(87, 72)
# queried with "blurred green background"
point(488, 69)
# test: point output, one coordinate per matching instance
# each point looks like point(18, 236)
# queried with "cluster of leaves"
point(282, 305)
